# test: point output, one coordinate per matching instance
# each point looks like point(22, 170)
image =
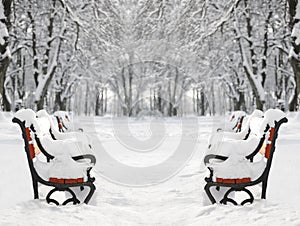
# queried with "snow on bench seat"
point(238, 167)
point(61, 167)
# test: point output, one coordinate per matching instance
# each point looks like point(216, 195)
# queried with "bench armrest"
point(92, 161)
point(207, 158)
point(86, 156)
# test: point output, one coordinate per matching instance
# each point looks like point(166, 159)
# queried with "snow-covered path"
point(177, 201)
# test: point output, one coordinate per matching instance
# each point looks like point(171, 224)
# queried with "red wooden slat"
point(271, 134)
point(65, 181)
point(233, 181)
point(30, 146)
point(70, 181)
point(243, 180)
point(229, 181)
point(31, 151)
point(220, 180)
point(80, 180)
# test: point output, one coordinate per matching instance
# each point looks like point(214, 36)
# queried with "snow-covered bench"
point(244, 134)
point(66, 169)
point(237, 117)
point(235, 169)
point(64, 122)
point(46, 119)
point(62, 117)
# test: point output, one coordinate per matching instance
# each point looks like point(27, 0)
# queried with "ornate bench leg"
point(226, 199)
point(210, 196)
point(49, 200)
point(264, 189)
point(90, 194)
point(72, 199)
point(250, 200)
point(35, 188)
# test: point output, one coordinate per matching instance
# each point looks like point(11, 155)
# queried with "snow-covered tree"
point(4, 49)
point(134, 56)
point(294, 8)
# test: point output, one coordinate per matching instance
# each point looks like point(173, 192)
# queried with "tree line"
point(162, 57)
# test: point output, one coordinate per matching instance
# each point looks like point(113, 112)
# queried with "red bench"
point(241, 184)
point(32, 145)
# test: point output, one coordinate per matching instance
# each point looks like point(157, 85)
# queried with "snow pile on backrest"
point(237, 147)
point(82, 139)
point(56, 147)
point(256, 127)
point(62, 114)
point(218, 136)
point(237, 114)
point(26, 115)
point(255, 114)
point(40, 125)
point(66, 119)
point(43, 114)
point(44, 126)
point(273, 115)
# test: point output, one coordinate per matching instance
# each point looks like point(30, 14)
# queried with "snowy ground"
point(150, 187)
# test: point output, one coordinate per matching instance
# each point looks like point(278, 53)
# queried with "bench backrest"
point(271, 140)
point(32, 129)
point(52, 129)
point(270, 136)
point(63, 120)
point(28, 138)
point(246, 129)
point(29, 147)
point(30, 141)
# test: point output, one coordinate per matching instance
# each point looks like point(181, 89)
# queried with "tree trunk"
point(194, 101)
point(86, 105)
point(34, 49)
point(250, 66)
point(4, 49)
point(239, 104)
point(159, 100)
point(105, 101)
point(266, 46)
point(97, 107)
point(59, 104)
point(294, 104)
point(201, 102)
point(50, 34)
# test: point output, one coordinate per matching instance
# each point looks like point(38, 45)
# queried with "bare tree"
point(5, 10)
point(294, 10)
